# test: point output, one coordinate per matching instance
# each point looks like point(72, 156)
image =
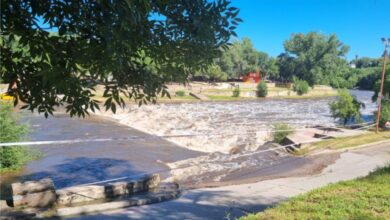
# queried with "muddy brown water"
point(80, 163)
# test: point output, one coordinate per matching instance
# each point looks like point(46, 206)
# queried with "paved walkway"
point(234, 201)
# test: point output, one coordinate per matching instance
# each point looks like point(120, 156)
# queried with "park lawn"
point(352, 141)
point(364, 198)
point(227, 98)
point(185, 98)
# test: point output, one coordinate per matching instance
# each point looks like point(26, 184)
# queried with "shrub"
point(180, 93)
point(300, 86)
point(346, 107)
point(262, 89)
point(280, 132)
point(385, 113)
point(12, 157)
point(236, 92)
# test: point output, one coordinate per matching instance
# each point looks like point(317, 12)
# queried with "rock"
point(32, 186)
point(235, 150)
point(118, 189)
point(4, 206)
point(153, 181)
point(77, 194)
point(34, 193)
point(35, 200)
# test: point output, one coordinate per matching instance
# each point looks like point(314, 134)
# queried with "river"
point(72, 164)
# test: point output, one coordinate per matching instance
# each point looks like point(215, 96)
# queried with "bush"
point(280, 132)
point(346, 107)
point(180, 93)
point(12, 157)
point(236, 92)
point(300, 86)
point(385, 113)
point(262, 89)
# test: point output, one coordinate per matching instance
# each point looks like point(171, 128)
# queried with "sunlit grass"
point(364, 198)
point(353, 141)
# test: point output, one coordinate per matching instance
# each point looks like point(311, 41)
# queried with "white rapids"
point(224, 126)
point(227, 127)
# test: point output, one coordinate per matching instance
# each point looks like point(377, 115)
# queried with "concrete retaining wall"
point(43, 194)
point(77, 194)
point(34, 193)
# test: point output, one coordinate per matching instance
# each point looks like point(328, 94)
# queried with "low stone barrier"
point(43, 194)
point(78, 194)
point(34, 193)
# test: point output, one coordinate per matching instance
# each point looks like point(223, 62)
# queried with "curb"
point(145, 199)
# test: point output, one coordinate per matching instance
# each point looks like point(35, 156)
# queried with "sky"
point(359, 24)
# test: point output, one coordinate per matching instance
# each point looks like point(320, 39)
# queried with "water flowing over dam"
point(223, 126)
point(195, 160)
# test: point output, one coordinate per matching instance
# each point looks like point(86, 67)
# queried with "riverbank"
point(365, 198)
point(233, 136)
point(238, 200)
point(220, 126)
point(214, 92)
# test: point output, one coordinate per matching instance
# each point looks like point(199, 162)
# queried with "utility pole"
point(386, 42)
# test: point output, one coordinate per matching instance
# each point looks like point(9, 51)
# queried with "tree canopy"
point(313, 57)
point(346, 107)
point(238, 60)
point(57, 51)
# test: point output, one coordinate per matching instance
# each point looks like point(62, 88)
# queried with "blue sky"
point(358, 23)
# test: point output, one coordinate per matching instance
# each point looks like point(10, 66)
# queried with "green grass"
point(363, 198)
point(352, 141)
point(306, 96)
point(185, 98)
point(226, 98)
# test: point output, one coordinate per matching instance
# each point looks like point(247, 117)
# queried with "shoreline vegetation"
point(223, 92)
point(343, 143)
point(13, 158)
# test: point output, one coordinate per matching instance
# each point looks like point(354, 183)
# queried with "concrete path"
point(234, 201)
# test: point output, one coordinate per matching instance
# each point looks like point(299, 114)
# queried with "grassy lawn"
point(353, 141)
point(225, 94)
point(307, 96)
point(185, 98)
point(364, 198)
point(227, 98)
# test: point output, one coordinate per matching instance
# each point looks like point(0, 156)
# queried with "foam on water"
point(239, 125)
point(233, 119)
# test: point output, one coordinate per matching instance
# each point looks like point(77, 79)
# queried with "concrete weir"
point(91, 198)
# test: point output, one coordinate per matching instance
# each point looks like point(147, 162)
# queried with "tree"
point(262, 89)
point(365, 62)
point(386, 85)
point(385, 101)
point(57, 51)
point(12, 157)
point(385, 113)
point(346, 107)
point(313, 57)
point(212, 73)
point(300, 86)
point(242, 57)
